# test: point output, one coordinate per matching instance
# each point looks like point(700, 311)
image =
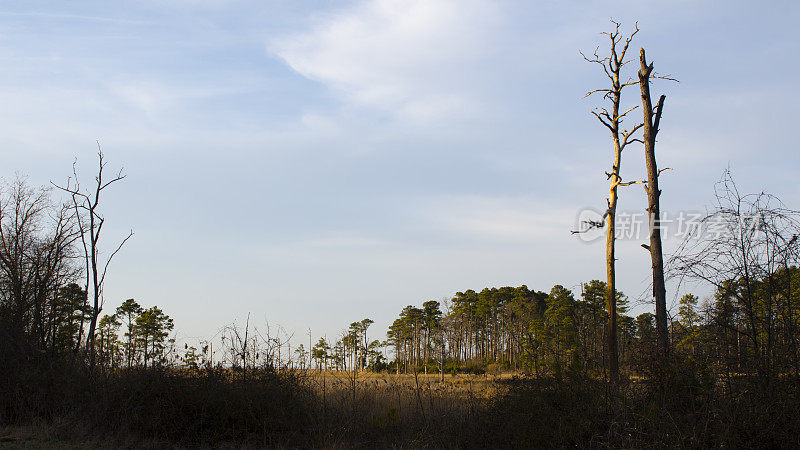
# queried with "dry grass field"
point(221, 408)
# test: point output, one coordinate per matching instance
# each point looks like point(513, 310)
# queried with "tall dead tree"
point(612, 66)
point(90, 225)
point(651, 119)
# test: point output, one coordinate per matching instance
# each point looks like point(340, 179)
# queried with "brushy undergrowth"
point(552, 413)
point(203, 408)
point(288, 409)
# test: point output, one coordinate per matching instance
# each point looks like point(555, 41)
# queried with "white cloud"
point(504, 219)
point(406, 57)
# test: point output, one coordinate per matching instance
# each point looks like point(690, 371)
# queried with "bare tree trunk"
point(611, 292)
point(612, 66)
point(652, 117)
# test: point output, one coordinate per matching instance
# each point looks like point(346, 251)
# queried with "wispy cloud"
point(498, 219)
point(73, 17)
point(405, 57)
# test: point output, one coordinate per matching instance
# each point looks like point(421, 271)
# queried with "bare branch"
point(108, 261)
point(628, 183)
point(658, 109)
point(626, 112)
point(596, 91)
point(603, 121)
point(590, 225)
point(655, 76)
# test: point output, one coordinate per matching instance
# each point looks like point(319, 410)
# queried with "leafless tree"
point(36, 237)
point(740, 247)
point(612, 118)
point(21, 212)
point(253, 347)
point(54, 268)
point(86, 207)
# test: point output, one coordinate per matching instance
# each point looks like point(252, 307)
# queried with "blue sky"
point(316, 162)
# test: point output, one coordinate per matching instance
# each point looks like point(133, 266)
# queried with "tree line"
point(562, 332)
point(514, 328)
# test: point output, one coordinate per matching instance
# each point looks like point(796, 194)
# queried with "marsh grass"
point(44, 404)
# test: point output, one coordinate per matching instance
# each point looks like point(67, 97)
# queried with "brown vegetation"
point(217, 407)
